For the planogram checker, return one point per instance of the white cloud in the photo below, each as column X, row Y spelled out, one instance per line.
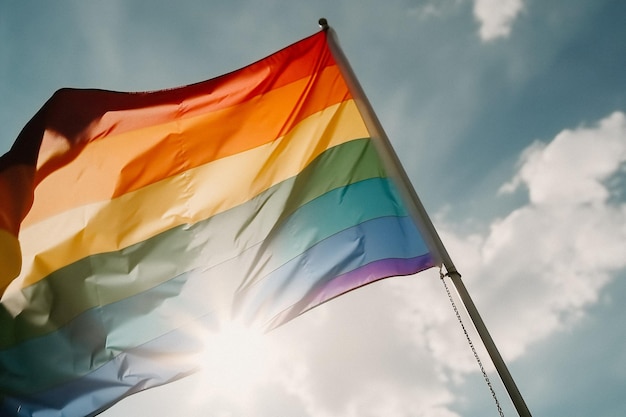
column 544, row 263
column 432, row 8
column 496, row 17
column 572, row 168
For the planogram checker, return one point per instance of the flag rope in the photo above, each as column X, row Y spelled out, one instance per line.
column 471, row 344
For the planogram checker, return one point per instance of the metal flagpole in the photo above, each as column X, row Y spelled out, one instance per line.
column 421, row 216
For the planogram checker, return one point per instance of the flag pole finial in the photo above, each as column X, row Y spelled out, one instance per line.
column 323, row 23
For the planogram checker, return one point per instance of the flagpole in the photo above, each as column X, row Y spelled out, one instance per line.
column 421, row 216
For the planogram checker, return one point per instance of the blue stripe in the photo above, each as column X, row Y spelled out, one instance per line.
column 133, row 371
column 322, row 217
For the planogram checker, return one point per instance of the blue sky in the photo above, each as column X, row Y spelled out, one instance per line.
column 510, row 118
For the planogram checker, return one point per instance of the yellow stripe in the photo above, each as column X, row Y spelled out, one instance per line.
column 186, row 198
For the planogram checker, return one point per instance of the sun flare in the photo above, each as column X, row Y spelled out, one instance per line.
column 237, row 359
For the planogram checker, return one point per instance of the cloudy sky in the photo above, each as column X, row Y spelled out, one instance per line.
column 510, row 118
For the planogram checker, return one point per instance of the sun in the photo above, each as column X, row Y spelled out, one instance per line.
column 237, row 360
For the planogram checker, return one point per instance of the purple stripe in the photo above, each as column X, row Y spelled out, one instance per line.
column 374, row 271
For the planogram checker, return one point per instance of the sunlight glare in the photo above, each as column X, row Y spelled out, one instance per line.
column 237, row 359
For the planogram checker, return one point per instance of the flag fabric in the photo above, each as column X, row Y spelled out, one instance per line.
column 129, row 222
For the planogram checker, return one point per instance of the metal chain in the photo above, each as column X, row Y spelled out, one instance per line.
column 469, row 340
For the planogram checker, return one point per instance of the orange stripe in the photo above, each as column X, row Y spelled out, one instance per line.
column 108, row 168
column 16, row 181
column 10, row 259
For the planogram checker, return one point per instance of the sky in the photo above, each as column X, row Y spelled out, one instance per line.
column 509, row 117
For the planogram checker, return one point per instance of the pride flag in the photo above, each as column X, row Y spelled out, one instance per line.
column 128, row 221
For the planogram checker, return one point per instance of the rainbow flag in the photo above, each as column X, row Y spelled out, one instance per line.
column 130, row 220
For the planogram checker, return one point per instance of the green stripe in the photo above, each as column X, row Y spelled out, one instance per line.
column 106, row 278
